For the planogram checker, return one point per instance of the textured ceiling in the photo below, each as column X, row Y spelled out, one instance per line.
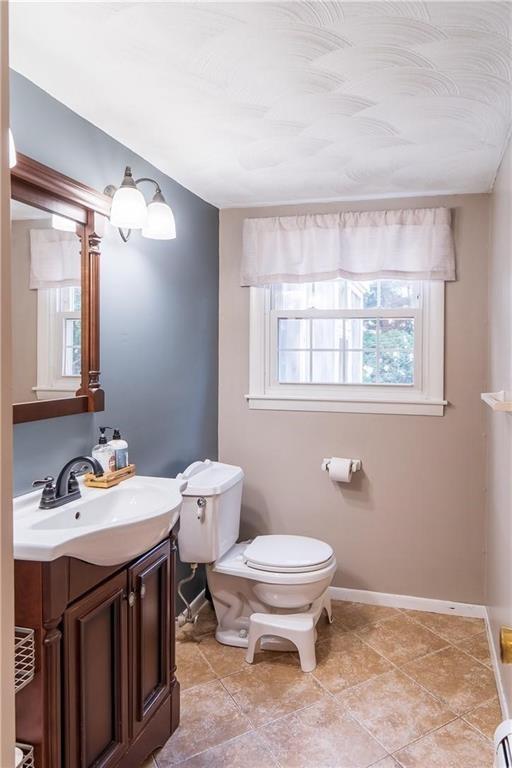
column 259, row 102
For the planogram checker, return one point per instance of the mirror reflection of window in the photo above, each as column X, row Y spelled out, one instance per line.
column 46, row 304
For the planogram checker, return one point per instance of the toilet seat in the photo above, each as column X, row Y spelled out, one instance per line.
column 233, row 564
column 280, row 553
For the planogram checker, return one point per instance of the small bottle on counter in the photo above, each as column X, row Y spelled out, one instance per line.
column 104, row 453
column 120, row 448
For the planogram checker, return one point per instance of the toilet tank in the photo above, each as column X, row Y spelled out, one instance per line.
column 210, row 513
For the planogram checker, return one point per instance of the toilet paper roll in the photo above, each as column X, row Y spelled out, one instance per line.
column 18, row 756
column 340, row 470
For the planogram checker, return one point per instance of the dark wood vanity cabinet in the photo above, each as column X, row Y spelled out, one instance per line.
column 150, row 635
column 96, row 676
column 105, row 693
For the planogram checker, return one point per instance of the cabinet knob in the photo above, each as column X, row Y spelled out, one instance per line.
column 131, row 599
column 142, row 590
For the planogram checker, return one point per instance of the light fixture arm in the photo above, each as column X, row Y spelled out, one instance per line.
column 151, row 181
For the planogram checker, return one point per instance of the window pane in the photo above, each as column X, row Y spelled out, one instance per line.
column 69, row 299
column 398, row 293
column 329, row 294
column 354, row 371
column 370, row 294
column 346, row 294
column 355, row 295
column 72, row 331
column 292, row 295
column 77, row 361
column 390, row 293
column 396, row 333
column 293, row 334
column 327, row 368
column 369, row 368
column 396, row 367
column 327, row 334
column 71, row 364
column 76, row 299
column 396, row 350
column 72, row 361
column 294, row 367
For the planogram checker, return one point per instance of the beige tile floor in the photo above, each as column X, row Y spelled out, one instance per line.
column 392, row 689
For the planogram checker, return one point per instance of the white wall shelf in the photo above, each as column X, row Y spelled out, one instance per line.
column 497, row 401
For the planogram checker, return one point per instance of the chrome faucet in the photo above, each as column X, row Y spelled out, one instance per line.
column 66, row 488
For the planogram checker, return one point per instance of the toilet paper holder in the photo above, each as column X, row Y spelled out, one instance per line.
column 355, row 465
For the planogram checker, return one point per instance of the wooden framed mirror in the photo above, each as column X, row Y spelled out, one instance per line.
column 56, row 227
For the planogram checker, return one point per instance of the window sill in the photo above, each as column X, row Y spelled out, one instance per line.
column 55, row 393
column 403, row 407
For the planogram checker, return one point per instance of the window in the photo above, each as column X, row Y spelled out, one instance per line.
column 69, row 302
column 362, row 346
column 59, row 347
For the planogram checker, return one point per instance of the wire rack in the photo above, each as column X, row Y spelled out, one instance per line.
column 28, row 756
column 24, row 657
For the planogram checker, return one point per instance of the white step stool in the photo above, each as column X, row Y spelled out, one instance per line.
column 299, row 628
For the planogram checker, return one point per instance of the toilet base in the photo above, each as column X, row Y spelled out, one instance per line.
column 238, row 592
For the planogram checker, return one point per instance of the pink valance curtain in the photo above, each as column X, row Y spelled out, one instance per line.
column 406, row 244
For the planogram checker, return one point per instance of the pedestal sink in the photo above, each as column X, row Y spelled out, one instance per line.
column 104, row 527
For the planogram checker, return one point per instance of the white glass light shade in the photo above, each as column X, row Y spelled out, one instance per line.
column 65, row 225
column 12, row 151
column 160, row 224
column 128, row 209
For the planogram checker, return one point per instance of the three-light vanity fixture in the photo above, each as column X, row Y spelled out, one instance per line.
column 130, row 211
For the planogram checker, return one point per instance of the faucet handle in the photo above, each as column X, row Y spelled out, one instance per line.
column 49, row 491
column 48, row 481
column 73, row 485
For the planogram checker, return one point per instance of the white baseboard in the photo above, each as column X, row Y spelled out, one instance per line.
column 496, row 667
column 408, row 602
column 196, row 604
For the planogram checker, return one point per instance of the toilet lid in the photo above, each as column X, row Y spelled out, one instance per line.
column 287, row 554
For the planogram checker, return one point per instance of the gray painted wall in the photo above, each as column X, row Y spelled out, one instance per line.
column 159, row 310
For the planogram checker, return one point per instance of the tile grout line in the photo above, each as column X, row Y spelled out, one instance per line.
column 221, row 744
column 339, row 701
column 435, row 730
column 275, row 719
column 395, row 667
column 476, row 730
column 407, row 611
column 449, row 644
column 439, row 699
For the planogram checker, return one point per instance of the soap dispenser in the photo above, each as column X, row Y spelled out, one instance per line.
column 104, row 453
column 120, row 448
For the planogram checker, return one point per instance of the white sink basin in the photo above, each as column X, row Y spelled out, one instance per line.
column 105, row 527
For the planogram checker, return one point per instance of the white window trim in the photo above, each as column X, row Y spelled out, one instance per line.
column 422, row 399
column 50, row 383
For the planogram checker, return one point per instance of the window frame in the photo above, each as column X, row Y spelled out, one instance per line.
column 424, row 397
column 51, row 382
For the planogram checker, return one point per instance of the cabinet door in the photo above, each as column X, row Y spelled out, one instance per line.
column 150, row 633
column 96, row 677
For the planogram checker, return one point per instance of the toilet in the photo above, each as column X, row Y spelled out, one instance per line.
column 279, row 574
